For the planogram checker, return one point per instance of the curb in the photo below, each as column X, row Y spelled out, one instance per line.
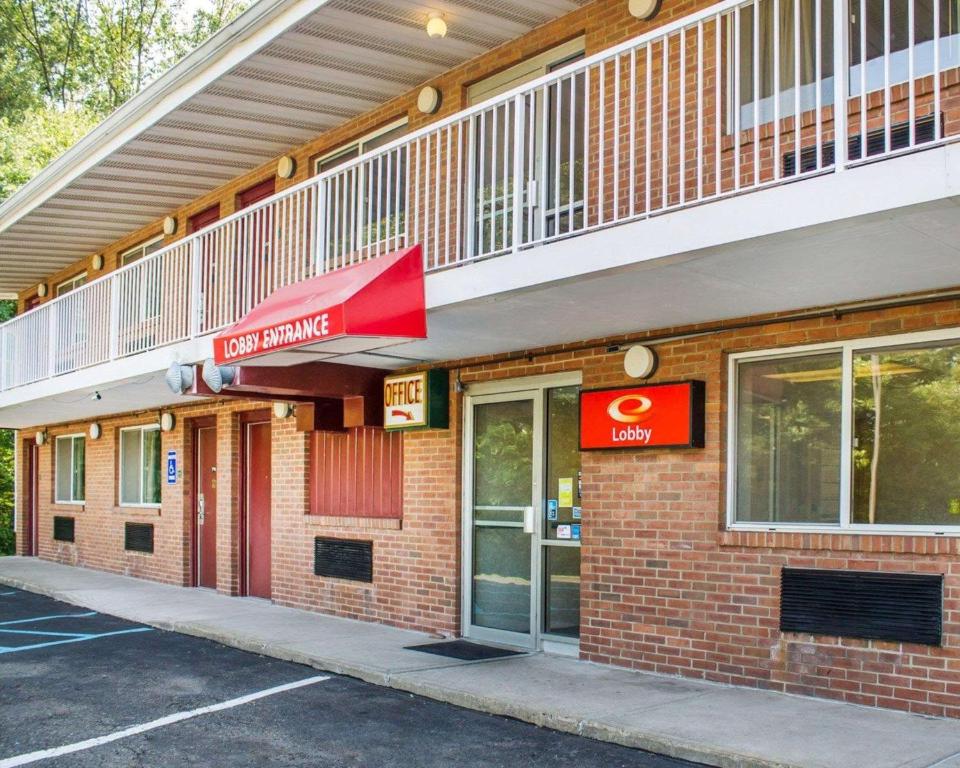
column 406, row 682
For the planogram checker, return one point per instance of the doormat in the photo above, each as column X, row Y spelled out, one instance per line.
column 464, row 650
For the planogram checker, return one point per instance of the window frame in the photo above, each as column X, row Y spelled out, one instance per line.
column 847, row 350
column 141, row 246
column 358, row 144
column 72, row 437
column 72, row 282
column 142, row 429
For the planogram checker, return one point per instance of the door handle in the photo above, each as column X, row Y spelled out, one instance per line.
column 200, row 507
column 529, row 522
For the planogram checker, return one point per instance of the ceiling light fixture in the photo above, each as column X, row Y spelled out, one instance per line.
column 436, row 26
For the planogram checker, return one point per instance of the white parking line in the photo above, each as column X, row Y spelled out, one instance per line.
column 79, row 746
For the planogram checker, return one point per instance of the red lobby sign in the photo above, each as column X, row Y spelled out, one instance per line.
column 650, row 416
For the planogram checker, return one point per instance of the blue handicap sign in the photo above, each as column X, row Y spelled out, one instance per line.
column 171, row 467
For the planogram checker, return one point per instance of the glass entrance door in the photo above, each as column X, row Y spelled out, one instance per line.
column 504, row 477
column 522, row 523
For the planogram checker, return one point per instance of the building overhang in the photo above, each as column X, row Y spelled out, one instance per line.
column 281, row 74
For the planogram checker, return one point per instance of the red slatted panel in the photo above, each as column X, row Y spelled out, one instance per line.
column 358, row 473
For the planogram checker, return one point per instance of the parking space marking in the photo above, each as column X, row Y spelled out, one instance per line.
column 80, row 746
column 76, row 638
column 7, row 594
column 85, row 615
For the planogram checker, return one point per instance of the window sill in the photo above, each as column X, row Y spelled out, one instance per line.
column 126, row 509
column 362, row 523
column 900, row 541
column 70, row 504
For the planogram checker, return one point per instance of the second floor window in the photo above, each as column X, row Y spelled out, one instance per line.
column 141, row 250
column 72, row 284
column 70, row 469
column 140, row 471
column 805, row 63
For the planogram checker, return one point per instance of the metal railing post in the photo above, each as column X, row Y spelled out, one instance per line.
column 320, row 229
column 841, row 78
column 114, row 319
column 519, row 120
column 195, row 300
column 52, row 329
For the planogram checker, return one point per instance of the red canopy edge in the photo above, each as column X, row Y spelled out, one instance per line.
column 381, row 299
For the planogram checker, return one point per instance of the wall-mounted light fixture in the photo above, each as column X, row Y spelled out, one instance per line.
column 282, row 410
column 95, row 431
column 179, row 378
column 217, row 376
column 640, row 362
column 169, row 225
column 428, row 100
column 286, row 167
column 40, row 438
column 436, row 26
column 97, row 262
column 167, row 421
column 42, row 290
column 644, row 9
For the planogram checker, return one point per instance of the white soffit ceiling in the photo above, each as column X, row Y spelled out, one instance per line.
column 337, row 60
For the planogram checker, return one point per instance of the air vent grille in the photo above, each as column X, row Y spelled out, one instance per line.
column 63, row 528
column 343, row 559
column 898, row 607
column 138, row 537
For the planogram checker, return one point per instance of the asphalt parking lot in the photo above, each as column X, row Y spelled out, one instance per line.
column 79, row 688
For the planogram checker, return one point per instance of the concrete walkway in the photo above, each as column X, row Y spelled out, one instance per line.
column 715, row 724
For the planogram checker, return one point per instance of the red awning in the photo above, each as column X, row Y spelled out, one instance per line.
column 367, row 306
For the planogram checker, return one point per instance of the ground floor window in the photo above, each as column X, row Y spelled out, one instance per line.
column 70, row 469
column 864, row 435
column 140, row 469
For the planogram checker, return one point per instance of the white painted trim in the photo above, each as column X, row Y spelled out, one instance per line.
column 240, row 39
column 80, row 275
column 142, row 429
column 17, row 484
column 141, row 246
column 359, row 143
column 56, row 470
column 847, row 349
column 544, row 381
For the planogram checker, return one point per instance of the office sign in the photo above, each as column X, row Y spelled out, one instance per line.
column 416, row 400
column 651, row 416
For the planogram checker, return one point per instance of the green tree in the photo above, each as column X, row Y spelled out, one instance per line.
column 7, row 310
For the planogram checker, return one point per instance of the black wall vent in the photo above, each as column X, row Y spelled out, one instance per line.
column 63, row 528
column 923, row 132
column 899, row 607
column 138, row 537
column 343, row 559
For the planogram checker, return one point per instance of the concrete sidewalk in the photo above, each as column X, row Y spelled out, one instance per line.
column 715, row 724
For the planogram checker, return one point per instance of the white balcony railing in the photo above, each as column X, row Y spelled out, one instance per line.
column 736, row 97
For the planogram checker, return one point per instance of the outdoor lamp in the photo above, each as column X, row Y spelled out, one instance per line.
column 640, row 362
column 428, row 100
column 644, row 9
column 286, row 167
column 167, row 421
column 95, row 431
column 218, row 376
column 436, row 26
column 169, row 225
column 179, row 378
column 40, row 438
column 282, row 410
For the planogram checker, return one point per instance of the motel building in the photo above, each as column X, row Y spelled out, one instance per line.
column 626, row 330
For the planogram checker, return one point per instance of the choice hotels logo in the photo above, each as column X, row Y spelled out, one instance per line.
column 630, row 409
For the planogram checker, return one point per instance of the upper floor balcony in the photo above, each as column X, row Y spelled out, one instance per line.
column 750, row 97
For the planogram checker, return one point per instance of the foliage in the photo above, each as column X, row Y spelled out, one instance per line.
column 7, row 310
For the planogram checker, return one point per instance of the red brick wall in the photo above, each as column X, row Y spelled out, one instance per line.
column 664, row 587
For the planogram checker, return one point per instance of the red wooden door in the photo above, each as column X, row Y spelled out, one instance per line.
column 206, row 506
column 30, row 533
column 257, row 477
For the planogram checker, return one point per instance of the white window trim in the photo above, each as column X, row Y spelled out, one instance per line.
column 359, row 143
column 138, row 247
column 78, row 276
column 847, row 350
column 56, row 472
column 142, row 429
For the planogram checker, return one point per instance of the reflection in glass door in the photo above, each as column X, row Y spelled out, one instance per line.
column 522, row 517
column 504, row 472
